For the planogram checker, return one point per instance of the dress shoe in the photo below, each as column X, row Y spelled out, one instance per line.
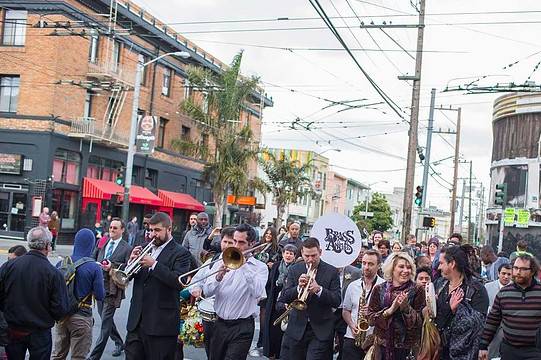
column 118, row 350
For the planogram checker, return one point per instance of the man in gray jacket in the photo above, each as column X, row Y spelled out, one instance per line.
column 195, row 238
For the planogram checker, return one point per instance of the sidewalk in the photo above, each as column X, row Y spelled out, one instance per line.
column 61, row 250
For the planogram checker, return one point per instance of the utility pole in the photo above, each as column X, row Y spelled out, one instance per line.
column 461, row 216
column 480, row 219
column 414, row 123
column 428, row 144
column 455, row 173
column 470, row 222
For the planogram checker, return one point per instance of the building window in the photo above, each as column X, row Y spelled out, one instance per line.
column 65, row 203
column 185, row 132
column 205, row 103
column 116, row 56
column 161, row 133
column 66, row 166
column 166, row 85
column 187, row 89
column 93, row 50
column 151, row 178
column 14, row 30
column 103, row 169
column 87, row 112
column 9, row 93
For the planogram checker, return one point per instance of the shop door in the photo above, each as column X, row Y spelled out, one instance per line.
column 12, row 210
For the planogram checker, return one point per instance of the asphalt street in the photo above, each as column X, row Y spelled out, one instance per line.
column 121, row 315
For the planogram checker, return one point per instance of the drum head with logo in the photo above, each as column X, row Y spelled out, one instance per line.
column 339, row 237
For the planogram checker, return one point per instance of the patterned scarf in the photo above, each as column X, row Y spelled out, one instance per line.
column 282, row 273
column 388, row 299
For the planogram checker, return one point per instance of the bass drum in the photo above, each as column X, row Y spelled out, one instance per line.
column 206, row 309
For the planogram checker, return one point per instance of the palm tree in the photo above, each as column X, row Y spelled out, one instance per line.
column 216, row 109
column 286, row 179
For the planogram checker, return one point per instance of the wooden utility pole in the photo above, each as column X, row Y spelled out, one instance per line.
column 455, row 173
column 414, row 123
column 470, row 222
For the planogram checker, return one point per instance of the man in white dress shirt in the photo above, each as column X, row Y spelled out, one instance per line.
column 505, row 272
column 196, row 290
column 371, row 263
column 237, row 293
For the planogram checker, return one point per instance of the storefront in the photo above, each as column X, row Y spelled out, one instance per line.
column 179, row 206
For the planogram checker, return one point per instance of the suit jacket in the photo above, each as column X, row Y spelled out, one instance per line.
column 120, row 257
column 155, row 302
column 349, row 274
column 320, row 309
column 140, row 238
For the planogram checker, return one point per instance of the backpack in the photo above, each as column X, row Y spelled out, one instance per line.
column 68, row 268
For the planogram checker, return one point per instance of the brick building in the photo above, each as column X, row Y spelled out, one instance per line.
column 67, row 74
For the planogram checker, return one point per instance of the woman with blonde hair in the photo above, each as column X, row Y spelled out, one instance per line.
column 395, row 309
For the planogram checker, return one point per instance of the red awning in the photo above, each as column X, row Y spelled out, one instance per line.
column 180, row 201
column 100, row 189
column 141, row 195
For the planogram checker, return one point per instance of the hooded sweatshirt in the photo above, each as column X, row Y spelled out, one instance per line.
column 89, row 276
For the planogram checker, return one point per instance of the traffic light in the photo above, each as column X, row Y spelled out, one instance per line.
column 500, row 197
column 419, row 196
column 120, row 176
column 429, row 221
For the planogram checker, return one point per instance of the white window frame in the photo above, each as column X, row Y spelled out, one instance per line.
column 93, row 50
column 14, row 29
column 166, row 81
column 9, row 93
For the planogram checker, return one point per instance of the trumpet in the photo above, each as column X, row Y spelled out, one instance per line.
column 299, row 303
column 233, row 259
column 123, row 277
column 362, row 322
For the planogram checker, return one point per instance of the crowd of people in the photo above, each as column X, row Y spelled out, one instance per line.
column 488, row 305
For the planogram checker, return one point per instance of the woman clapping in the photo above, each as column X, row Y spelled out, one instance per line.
column 395, row 309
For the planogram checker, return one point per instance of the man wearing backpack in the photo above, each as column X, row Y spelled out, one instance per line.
column 33, row 296
column 84, row 280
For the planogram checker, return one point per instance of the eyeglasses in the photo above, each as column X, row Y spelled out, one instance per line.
column 114, row 227
column 516, row 268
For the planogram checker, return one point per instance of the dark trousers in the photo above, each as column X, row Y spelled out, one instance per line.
column 350, row 351
column 340, row 331
column 509, row 352
column 140, row 346
column 39, row 344
column 309, row 347
column 208, row 330
column 232, row 339
column 108, row 329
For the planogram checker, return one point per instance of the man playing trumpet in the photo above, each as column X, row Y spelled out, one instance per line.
column 154, row 317
column 310, row 332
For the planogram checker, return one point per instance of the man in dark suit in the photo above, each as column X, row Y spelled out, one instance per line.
column 115, row 253
column 154, row 317
column 143, row 236
column 310, row 333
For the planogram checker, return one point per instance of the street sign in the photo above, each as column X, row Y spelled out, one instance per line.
column 523, row 218
column 509, row 216
column 146, row 134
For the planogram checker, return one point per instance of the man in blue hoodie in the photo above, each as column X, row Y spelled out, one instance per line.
column 76, row 330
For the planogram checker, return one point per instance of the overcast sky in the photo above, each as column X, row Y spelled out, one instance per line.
column 461, row 41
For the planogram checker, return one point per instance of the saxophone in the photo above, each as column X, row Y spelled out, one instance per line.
column 362, row 321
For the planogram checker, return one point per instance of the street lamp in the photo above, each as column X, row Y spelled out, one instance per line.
column 133, row 126
column 368, row 196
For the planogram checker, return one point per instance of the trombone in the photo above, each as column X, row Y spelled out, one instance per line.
column 299, row 304
column 233, row 259
column 123, row 277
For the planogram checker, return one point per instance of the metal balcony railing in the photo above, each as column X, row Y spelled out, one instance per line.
column 109, row 70
column 88, row 128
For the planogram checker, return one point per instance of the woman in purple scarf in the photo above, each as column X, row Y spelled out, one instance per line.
column 395, row 309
